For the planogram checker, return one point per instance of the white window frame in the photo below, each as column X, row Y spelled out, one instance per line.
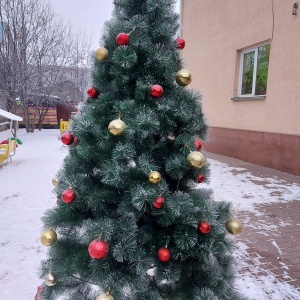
column 243, row 52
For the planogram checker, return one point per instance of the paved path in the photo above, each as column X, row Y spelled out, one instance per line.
column 272, row 237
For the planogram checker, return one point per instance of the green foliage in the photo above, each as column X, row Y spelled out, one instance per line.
column 109, row 174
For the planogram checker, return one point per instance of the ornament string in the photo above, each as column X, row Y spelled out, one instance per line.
column 178, row 185
column 133, row 29
column 167, row 242
column 99, row 235
column 185, row 147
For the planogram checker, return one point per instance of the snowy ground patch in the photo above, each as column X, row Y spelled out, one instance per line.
column 245, row 190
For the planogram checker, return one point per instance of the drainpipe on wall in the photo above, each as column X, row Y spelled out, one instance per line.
column 181, row 17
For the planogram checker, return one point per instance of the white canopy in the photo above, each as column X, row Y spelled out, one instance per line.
column 10, row 116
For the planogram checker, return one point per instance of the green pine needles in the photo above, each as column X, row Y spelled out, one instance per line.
column 131, row 190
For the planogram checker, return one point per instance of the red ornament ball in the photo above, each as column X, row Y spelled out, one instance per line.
column 93, row 92
column 37, row 295
column 180, row 43
column 122, row 39
column 159, row 202
column 67, row 138
column 76, row 140
column 156, row 91
column 68, row 196
column 164, row 254
column 201, row 178
column 204, row 227
column 198, row 144
column 98, row 249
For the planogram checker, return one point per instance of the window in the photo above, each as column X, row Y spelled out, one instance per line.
column 254, row 71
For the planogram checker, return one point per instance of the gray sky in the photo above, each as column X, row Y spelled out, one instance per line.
column 88, row 14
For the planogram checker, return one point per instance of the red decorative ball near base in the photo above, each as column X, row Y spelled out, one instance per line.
column 93, row 92
column 164, row 254
column 156, row 91
column 159, row 202
column 201, row 178
column 67, row 138
column 204, row 227
column 122, row 39
column 37, row 295
column 68, row 196
column 180, row 43
column 76, row 140
column 98, row 249
column 198, row 144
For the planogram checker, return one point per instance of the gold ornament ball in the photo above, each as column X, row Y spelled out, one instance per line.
column 54, row 181
column 48, row 237
column 234, row 226
column 51, row 279
column 196, row 159
column 116, row 127
column 183, row 77
column 101, row 54
column 171, row 137
column 154, row 177
column 106, row 296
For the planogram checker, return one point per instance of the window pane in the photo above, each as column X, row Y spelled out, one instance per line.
column 262, row 70
column 248, row 66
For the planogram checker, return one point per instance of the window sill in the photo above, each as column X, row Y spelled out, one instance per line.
column 249, row 98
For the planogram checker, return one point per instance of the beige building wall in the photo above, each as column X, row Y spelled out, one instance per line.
column 214, row 32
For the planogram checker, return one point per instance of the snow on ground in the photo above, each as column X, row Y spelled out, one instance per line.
column 26, row 192
column 260, row 284
column 245, row 190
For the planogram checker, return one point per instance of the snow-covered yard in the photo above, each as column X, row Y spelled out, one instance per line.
column 26, row 193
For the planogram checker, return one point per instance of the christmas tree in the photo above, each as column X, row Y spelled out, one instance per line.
column 129, row 222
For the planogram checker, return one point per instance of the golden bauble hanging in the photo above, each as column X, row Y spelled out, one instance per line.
column 51, row 279
column 234, row 226
column 106, row 296
column 48, row 237
column 171, row 137
column 154, row 177
column 183, row 77
column 54, row 181
column 116, row 127
column 196, row 159
column 101, row 54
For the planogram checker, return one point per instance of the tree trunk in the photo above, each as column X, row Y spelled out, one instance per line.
column 42, row 115
column 34, row 118
column 26, row 118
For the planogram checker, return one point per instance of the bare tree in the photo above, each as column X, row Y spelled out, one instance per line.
column 36, row 51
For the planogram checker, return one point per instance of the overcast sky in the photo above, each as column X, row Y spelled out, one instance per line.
column 88, row 14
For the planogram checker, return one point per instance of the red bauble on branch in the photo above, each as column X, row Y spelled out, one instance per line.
column 98, row 249
column 159, row 202
column 164, row 254
column 93, row 92
column 76, row 140
column 37, row 295
column 67, row 138
column 156, row 91
column 198, row 144
column 201, row 178
column 180, row 43
column 122, row 39
column 68, row 196
column 204, row 227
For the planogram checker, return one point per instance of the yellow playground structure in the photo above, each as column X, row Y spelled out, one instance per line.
column 64, row 125
column 8, row 149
